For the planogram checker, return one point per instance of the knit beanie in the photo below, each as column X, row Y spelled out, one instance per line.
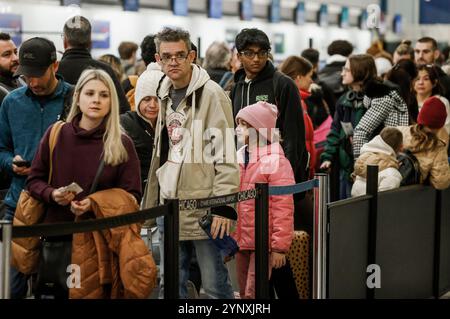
column 260, row 115
column 433, row 113
column 147, row 83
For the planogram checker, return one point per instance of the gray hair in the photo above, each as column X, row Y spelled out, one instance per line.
column 172, row 35
column 218, row 56
column 77, row 31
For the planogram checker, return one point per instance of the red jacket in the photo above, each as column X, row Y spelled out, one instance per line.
column 309, row 134
column 266, row 165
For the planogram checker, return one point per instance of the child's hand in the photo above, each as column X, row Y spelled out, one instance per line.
column 278, row 260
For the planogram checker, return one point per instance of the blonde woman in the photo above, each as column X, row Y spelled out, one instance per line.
column 91, row 135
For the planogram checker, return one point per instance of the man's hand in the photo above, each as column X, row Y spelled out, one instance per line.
column 61, row 197
column 81, row 207
column 278, row 260
column 220, row 225
column 20, row 170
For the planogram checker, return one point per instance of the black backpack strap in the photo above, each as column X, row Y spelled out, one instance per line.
column 67, row 103
column 97, row 177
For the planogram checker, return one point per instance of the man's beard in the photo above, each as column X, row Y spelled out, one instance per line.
column 6, row 73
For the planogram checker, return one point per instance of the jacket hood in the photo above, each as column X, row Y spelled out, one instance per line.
column 336, row 58
column 266, row 72
column 198, row 78
column 147, row 85
column 378, row 145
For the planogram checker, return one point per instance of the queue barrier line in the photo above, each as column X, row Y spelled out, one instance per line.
column 294, row 189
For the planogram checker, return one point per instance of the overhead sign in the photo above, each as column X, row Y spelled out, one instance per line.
column 12, row 24
column 215, row 9
column 322, row 16
column 300, row 14
column 131, row 5
column 275, row 11
column 100, row 34
column 246, row 10
column 180, row 7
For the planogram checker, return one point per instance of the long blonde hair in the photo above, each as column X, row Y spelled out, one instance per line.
column 114, row 151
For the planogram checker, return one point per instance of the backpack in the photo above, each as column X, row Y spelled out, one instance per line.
column 408, row 168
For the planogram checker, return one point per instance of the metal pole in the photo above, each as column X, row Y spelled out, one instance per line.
column 6, row 226
column 262, row 242
column 320, row 238
column 171, row 239
column 372, row 189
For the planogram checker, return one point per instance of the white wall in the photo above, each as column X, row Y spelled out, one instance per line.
column 48, row 17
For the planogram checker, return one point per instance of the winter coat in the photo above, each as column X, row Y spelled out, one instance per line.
column 190, row 176
column 216, row 74
column 75, row 61
column 377, row 152
column 349, row 109
column 309, row 135
column 290, row 120
column 330, row 74
column 266, row 165
column 142, row 134
column 116, row 256
column 24, row 118
column 385, row 107
column 433, row 162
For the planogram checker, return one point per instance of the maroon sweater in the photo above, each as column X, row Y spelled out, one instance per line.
column 76, row 158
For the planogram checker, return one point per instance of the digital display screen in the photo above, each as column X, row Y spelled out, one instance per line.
column 300, row 14
column 215, row 9
column 322, row 18
column 397, row 24
column 362, row 20
column 436, row 11
column 274, row 11
column 344, row 21
column 246, row 10
column 180, row 7
column 70, row 2
column 131, row 5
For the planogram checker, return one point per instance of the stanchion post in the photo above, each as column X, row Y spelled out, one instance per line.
column 171, row 246
column 262, row 242
column 6, row 226
column 320, row 238
column 372, row 189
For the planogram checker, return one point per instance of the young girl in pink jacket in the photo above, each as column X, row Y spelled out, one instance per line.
column 261, row 160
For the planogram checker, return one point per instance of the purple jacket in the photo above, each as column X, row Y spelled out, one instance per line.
column 76, row 158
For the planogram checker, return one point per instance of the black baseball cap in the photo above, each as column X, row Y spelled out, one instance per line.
column 35, row 56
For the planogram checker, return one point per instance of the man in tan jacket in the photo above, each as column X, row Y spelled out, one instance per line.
column 195, row 116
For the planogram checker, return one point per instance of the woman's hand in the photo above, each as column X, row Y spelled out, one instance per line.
column 278, row 260
column 81, row 207
column 63, row 198
column 325, row 165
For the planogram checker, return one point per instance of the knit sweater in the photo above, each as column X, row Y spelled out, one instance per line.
column 76, row 158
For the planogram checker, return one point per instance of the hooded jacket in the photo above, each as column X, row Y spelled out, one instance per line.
column 192, row 175
column 433, row 163
column 290, row 118
column 385, row 107
column 377, row 152
column 267, row 164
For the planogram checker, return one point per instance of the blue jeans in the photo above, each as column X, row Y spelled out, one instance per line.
column 215, row 279
column 345, row 186
column 19, row 281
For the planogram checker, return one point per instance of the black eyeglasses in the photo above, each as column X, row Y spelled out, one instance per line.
column 179, row 57
column 251, row 54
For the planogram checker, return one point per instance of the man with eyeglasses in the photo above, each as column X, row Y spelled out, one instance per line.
column 258, row 80
column 194, row 112
column 426, row 52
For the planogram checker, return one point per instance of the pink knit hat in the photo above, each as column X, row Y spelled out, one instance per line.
column 433, row 113
column 260, row 115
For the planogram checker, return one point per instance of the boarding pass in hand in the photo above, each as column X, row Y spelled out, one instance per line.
column 74, row 188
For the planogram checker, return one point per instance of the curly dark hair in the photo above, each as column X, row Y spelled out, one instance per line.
column 248, row 37
column 148, row 49
column 341, row 47
column 173, row 35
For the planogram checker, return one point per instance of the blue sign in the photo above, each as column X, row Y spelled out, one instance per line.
column 397, row 24
column 246, row 8
column 12, row 24
column 275, row 11
column 131, row 5
column 300, row 14
column 180, row 7
column 436, row 11
column 344, row 21
column 362, row 20
column 215, row 9
column 100, row 34
column 322, row 18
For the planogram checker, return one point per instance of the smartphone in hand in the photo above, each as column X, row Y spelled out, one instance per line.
column 22, row 163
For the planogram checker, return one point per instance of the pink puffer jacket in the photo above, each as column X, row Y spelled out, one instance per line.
column 267, row 165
